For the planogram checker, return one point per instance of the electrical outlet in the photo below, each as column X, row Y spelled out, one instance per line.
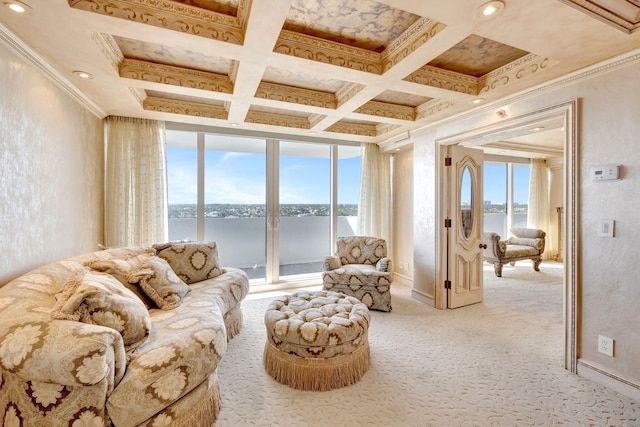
column 605, row 345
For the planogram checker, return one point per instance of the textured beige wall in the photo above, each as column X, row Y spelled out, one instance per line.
column 607, row 268
column 425, row 215
column 51, row 171
column 402, row 229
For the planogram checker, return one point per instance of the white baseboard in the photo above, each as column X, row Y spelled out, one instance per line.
column 422, row 297
column 402, row 279
column 601, row 376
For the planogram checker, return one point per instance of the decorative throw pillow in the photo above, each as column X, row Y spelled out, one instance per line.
column 193, row 261
column 158, row 280
column 122, row 269
column 100, row 299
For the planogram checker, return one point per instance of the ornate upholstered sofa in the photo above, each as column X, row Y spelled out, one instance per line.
column 77, row 347
column 525, row 243
column 360, row 268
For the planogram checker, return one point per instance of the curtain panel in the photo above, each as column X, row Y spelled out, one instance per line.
column 374, row 211
column 135, row 182
column 538, row 216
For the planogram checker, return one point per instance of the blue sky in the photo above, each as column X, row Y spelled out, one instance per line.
column 239, row 178
column 495, row 184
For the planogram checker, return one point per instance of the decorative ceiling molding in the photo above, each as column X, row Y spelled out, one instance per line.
column 384, row 109
column 360, row 129
column 139, row 94
column 514, row 71
column 383, row 128
column 15, row 44
column 177, row 76
column 278, row 92
column 347, row 92
column 443, row 79
column 169, row 15
column 314, row 119
column 415, row 36
column 334, row 64
column 109, row 48
column 328, row 52
column 432, row 108
column 174, row 106
column 450, row 80
column 613, row 13
column 275, row 119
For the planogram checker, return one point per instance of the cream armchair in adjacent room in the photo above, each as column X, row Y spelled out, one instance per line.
column 525, row 243
column 360, row 268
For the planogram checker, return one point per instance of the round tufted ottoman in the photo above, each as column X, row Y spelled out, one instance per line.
column 317, row 340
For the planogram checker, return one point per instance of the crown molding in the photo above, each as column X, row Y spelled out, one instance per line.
column 17, row 46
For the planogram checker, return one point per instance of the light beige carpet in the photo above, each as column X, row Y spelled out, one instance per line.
column 498, row 363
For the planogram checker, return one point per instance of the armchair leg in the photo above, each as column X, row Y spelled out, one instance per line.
column 536, row 263
column 497, row 268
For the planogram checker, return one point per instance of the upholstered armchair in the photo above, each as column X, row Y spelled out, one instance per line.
column 360, row 268
column 525, row 243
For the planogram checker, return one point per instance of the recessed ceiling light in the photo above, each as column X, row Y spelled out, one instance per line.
column 489, row 9
column 312, row 133
column 477, row 101
column 17, row 6
column 537, row 129
column 83, row 74
column 233, row 124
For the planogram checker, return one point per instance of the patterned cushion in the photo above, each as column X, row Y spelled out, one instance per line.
column 360, row 249
column 161, row 283
column 100, row 299
column 193, row 261
column 123, row 269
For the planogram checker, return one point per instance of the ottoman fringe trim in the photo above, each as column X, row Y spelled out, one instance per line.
column 206, row 413
column 233, row 322
column 316, row 374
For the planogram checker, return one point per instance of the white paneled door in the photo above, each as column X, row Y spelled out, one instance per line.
column 465, row 212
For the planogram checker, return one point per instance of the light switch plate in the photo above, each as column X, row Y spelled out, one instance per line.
column 605, row 227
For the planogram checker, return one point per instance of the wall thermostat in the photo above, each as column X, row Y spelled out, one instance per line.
column 609, row 172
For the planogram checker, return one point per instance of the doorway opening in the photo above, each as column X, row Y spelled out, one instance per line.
column 496, row 133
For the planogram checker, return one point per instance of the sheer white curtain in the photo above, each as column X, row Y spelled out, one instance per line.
column 374, row 211
column 538, row 216
column 135, row 182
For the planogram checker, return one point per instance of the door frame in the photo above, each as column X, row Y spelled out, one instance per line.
column 568, row 111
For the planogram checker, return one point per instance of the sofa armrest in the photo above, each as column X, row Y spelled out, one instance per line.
column 384, row 265
column 331, row 262
column 496, row 248
column 63, row 352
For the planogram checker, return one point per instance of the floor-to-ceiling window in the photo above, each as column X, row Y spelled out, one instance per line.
column 182, row 183
column 506, row 195
column 268, row 204
column 348, row 190
column 304, row 194
column 235, row 200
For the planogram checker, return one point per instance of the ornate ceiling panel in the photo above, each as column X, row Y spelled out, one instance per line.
column 179, row 57
column 476, row 56
column 365, row 24
column 366, row 70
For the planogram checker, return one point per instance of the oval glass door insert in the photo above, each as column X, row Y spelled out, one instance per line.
column 466, row 202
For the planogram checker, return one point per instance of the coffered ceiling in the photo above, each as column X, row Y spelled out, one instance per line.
column 362, row 70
